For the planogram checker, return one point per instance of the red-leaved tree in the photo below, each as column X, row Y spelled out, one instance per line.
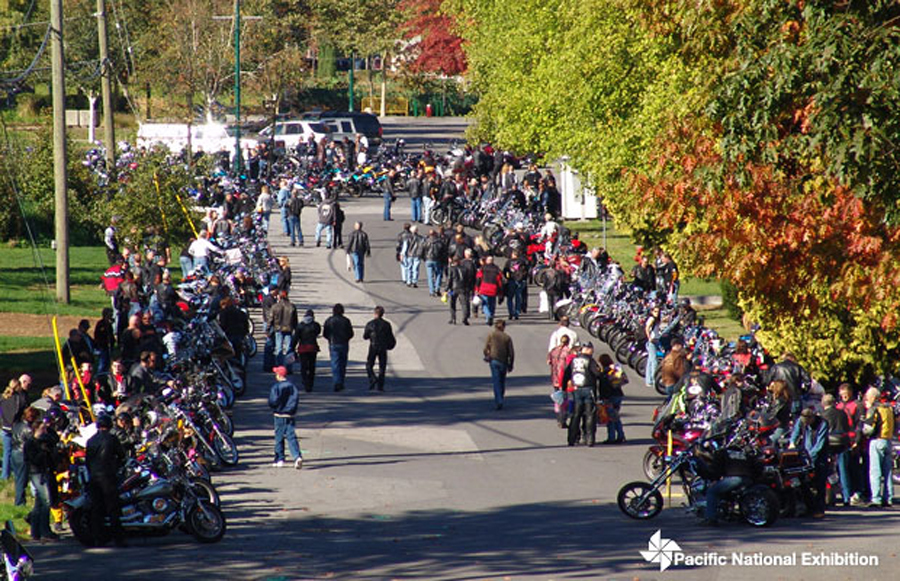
column 438, row 49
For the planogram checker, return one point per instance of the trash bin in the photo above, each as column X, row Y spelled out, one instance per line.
column 429, row 110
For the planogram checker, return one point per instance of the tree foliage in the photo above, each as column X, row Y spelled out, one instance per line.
column 756, row 138
column 437, row 48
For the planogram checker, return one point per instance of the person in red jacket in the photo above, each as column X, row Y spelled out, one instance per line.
column 489, row 285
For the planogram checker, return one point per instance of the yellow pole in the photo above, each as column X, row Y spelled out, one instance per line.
column 187, row 215
column 669, row 479
column 159, row 203
column 83, row 391
column 62, row 364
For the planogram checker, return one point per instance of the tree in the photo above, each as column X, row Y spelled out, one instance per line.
column 435, row 45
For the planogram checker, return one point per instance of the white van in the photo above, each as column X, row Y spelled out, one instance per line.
column 210, row 137
column 289, row 134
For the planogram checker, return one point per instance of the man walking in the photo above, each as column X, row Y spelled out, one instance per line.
column 388, row 192
column 325, row 223
column 294, row 208
column 415, row 186
column 489, row 284
column 516, row 274
column 358, row 249
column 283, row 399
column 412, row 252
column 283, row 321
column 338, row 331
column 433, row 252
column 401, row 250
column 582, row 376
column 499, row 352
column 381, row 339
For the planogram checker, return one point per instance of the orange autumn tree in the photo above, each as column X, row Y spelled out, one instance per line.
column 815, row 264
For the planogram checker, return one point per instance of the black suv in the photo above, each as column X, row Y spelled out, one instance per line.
column 364, row 123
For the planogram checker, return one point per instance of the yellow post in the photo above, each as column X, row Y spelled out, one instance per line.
column 669, row 479
column 187, row 215
column 62, row 364
column 159, row 203
column 83, row 391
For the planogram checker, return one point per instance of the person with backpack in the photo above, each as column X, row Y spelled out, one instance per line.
column 294, row 208
column 326, row 223
column 283, row 400
column 381, row 339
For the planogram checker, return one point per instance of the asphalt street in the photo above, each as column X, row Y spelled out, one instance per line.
column 427, row 480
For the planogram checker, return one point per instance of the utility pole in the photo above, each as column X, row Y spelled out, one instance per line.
column 57, row 70
column 237, row 89
column 350, row 90
column 106, row 89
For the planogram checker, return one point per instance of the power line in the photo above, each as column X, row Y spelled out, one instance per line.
column 31, row 67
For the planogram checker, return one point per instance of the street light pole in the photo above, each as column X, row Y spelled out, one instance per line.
column 237, row 88
column 350, row 90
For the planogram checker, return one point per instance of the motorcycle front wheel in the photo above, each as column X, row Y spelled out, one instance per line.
column 206, row 523
column 639, row 500
column 205, row 491
column 225, row 448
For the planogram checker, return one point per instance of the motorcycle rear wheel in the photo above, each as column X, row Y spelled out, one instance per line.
column 206, row 523
column 629, row 501
column 759, row 506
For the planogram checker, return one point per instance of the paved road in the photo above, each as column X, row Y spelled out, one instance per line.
column 428, row 481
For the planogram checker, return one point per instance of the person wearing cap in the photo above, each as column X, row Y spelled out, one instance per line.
column 582, row 376
column 811, row 432
column 500, row 354
column 307, row 340
column 104, row 455
column 283, row 399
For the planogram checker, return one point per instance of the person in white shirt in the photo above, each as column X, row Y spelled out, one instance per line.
column 563, row 329
column 200, row 249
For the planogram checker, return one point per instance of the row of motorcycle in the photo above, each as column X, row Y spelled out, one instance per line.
column 185, row 431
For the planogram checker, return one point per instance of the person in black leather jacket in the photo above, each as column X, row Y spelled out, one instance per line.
column 381, row 339
column 104, row 455
column 338, row 330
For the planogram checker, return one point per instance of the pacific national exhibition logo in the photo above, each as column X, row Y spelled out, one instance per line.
column 660, row 550
column 667, row 553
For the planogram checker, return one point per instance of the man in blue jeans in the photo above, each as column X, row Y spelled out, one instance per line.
column 283, row 399
column 737, row 470
column 499, row 353
column 338, row 331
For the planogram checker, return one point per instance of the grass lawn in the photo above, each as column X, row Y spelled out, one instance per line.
column 23, row 288
column 33, row 355
column 8, row 510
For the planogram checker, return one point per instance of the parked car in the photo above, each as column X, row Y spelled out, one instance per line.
column 289, row 133
column 348, row 124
